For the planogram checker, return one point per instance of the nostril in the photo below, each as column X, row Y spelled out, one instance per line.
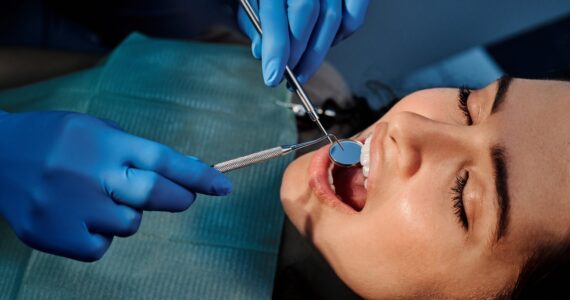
column 395, row 143
column 403, row 133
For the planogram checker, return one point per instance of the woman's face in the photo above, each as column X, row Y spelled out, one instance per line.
column 456, row 198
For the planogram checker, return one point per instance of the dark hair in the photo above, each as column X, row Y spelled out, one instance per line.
column 545, row 275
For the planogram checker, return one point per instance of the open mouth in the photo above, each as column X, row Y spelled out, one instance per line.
column 350, row 184
column 340, row 186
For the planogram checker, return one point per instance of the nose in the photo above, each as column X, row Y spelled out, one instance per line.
column 421, row 141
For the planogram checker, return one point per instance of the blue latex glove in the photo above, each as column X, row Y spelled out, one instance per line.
column 299, row 33
column 70, row 182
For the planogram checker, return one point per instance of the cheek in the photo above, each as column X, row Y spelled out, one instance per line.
column 406, row 224
column 419, row 217
column 393, row 248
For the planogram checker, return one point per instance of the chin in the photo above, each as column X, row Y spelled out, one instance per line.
column 296, row 193
column 319, row 216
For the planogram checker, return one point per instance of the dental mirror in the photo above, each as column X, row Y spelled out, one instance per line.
column 346, row 156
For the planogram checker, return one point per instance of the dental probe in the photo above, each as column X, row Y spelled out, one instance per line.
column 264, row 155
column 291, row 78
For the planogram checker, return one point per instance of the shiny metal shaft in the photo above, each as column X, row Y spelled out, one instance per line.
column 264, row 155
column 248, row 160
column 291, row 78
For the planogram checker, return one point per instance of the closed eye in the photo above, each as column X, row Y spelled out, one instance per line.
column 457, row 198
column 462, row 98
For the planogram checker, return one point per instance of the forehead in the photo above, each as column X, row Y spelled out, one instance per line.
column 534, row 126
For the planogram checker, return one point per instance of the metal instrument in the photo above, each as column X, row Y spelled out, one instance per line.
column 264, row 155
column 348, row 155
column 291, row 78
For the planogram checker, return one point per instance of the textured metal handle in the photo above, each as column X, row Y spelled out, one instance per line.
column 248, row 160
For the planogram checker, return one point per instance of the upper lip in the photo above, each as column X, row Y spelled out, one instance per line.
column 378, row 133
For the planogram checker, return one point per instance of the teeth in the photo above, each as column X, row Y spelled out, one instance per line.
column 364, row 161
column 331, row 181
column 365, row 157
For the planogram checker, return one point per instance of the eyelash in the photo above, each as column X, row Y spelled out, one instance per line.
column 458, row 205
column 461, row 181
column 464, row 93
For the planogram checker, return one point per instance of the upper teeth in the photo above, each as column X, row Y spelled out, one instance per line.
column 365, row 159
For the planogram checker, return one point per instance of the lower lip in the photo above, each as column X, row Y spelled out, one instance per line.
column 319, row 182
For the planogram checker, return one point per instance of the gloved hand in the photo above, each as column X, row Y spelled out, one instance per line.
column 70, row 182
column 299, row 33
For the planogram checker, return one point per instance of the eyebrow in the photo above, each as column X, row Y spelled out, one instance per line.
column 501, row 187
column 504, row 84
column 499, row 159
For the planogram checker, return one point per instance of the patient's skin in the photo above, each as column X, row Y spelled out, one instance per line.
column 407, row 240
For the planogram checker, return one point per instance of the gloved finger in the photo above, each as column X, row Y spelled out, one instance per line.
column 95, row 247
column 147, row 190
column 247, row 27
column 111, row 123
column 87, row 247
column 75, row 243
column 111, row 219
column 275, row 43
column 256, row 47
column 302, row 16
column 353, row 16
column 191, row 174
column 321, row 40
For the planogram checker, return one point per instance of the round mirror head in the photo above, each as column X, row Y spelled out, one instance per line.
column 348, row 155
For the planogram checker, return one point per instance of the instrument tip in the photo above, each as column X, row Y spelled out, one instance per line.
column 338, row 142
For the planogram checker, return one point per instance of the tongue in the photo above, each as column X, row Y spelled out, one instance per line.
column 349, row 186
